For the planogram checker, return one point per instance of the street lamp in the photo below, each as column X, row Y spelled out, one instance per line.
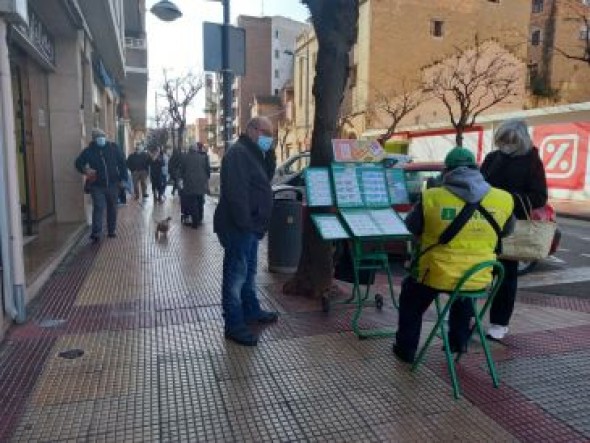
column 168, row 11
column 306, row 58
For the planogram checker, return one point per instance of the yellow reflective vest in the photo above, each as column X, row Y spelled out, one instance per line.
column 443, row 265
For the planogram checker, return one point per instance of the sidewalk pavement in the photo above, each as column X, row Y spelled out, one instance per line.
column 125, row 343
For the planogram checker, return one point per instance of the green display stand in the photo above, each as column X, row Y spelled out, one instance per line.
column 363, row 195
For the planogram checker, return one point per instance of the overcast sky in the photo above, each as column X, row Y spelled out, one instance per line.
column 178, row 45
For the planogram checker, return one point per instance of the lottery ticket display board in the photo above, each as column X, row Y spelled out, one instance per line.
column 382, row 222
column 346, row 185
column 318, row 187
column 373, row 184
column 396, row 184
column 329, row 226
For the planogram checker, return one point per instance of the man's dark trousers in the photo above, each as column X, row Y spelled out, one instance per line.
column 104, row 198
column 195, row 206
column 415, row 298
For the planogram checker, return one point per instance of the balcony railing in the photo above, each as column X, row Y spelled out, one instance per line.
column 135, row 43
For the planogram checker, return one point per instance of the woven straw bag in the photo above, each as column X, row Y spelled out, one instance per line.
column 531, row 239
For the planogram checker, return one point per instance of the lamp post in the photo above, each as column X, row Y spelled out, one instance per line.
column 168, row 11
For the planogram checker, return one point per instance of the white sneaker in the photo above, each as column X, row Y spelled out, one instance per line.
column 497, row 332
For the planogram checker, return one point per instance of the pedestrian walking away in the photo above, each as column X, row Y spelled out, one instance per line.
column 103, row 164
column 240, row 221
column 156, row 174
column 195, row 172
column 516, row 167
column 440, row 265
column 138, row 163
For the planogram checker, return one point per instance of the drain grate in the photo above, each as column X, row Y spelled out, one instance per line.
column 51, row 323
column 71, row 354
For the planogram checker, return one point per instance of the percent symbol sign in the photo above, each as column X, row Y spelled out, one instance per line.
column 557, row 157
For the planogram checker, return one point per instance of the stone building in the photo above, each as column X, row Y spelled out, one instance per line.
column 558, row 52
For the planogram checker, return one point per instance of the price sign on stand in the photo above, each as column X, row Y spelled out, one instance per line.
column 346, row 186
column 396, row 183
column 318, row 188
column 360, row 223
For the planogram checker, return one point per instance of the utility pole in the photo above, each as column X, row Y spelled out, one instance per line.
column 227, row 78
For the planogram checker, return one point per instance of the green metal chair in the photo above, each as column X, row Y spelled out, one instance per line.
column 487, row 293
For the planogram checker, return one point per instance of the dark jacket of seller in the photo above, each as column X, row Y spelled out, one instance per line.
column 108, row 162
column 245, row 202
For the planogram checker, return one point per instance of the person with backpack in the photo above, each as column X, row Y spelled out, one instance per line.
column 452, row 239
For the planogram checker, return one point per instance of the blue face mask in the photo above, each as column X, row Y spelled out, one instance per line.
column 265, row 143
column 101, row 141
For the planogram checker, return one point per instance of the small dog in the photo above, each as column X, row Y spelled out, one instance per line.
column 162, row 227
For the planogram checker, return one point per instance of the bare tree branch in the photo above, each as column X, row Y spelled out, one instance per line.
column 472, row 81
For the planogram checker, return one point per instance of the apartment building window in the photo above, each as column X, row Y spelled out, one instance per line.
column 277, row 53
column 537, row 6
column 533, row 69
column 352, row 73
column 583, row 32
column 494, row 1
column 276, row 33
column 586, row 2
column 276, row 73
column 536, row 37
column 437, row 28
column 276, row 92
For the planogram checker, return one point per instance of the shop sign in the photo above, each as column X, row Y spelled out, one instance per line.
column 564, row 151
column 39, row 37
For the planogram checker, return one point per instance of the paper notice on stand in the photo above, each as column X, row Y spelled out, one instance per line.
column 361, row 224
column 346, row 186
column 329, row 226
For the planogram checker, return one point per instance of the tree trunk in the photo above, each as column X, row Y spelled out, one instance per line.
column 335, row 23
column 180, row 132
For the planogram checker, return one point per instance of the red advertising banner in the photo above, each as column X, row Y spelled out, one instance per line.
column 564, row 151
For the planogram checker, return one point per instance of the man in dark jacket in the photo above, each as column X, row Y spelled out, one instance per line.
column 103, row 165
column 241, row 220
column 195, row 173
column 139, row 164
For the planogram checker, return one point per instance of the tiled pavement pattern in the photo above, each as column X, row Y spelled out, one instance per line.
column 156, row 366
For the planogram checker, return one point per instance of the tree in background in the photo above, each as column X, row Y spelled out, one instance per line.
column 157, row 137
column 180, row 93
column 472, row 81
column 335, row 24
column 395, row 104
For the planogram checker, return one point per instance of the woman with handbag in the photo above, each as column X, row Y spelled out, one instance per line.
column 517, row 168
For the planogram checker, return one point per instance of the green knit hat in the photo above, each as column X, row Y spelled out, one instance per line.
column 459, row 157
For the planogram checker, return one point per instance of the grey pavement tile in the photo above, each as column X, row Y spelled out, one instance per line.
column 326, row 415
column 268, row 422
column 56, row 422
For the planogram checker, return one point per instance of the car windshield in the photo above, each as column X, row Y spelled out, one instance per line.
column 298, row 164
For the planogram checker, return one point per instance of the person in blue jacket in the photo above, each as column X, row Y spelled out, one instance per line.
column 103, row 165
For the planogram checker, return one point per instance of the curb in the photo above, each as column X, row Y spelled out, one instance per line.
column 38, row 281
column 572, row 216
